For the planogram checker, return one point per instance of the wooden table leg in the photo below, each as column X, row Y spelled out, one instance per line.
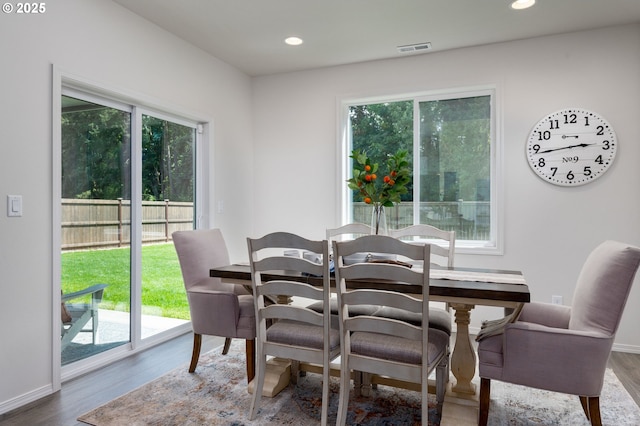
column 463, row 358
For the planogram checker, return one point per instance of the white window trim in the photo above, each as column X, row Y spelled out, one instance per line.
column 496, row 243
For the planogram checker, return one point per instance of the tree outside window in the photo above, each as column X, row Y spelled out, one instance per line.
column 452, row 176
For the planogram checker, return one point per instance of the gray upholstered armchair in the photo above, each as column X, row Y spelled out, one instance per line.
column 561, row 348
column 217, row 308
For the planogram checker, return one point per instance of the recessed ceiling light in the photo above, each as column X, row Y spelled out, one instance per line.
column 522, row 4
column 293, row 41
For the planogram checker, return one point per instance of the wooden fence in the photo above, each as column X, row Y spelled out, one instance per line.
column 107, row 223
column 470, row 219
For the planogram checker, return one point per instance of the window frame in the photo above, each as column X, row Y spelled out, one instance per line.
column 493, row 246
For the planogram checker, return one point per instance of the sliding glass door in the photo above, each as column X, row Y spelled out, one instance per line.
column 127, row 183
column 95, row 208
column 167, row 206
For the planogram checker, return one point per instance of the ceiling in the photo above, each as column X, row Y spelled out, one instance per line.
column 249, row 34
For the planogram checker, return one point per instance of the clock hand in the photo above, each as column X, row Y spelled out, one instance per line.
column 569, row 136
column 565, row 147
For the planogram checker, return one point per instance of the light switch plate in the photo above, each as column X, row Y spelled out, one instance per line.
column 14, row 205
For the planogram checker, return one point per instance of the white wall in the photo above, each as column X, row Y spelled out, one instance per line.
column 100, row 41
column 289, row 127
column 549, row 230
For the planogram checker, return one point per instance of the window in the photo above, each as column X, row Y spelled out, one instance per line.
column 452, row 147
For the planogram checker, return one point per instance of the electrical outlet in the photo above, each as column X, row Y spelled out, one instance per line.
column 556, row 300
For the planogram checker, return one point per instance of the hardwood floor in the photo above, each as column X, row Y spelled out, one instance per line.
column 627, row 368
column 91, row 390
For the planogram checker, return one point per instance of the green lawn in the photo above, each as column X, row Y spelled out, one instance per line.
column 162, row 287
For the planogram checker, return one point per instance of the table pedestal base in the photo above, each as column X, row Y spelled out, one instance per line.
column 276, row 377
column 463, row 356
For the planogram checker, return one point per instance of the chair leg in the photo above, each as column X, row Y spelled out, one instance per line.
column 261, row 364
column 295, row 371
column 197, row 344
column 591, row 407
column 345, row 387
column 227, row 344
column 485, row 397
column 442, row 371
column 448, row 373
column 250, row 354
column 584, row 401
column 594, row 411
column 365, row 384
column 357, row 383
column 326, row 377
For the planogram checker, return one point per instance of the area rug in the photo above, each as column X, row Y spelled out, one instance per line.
column 216, row 394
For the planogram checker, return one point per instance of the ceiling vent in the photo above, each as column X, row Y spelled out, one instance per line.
column 410, row 48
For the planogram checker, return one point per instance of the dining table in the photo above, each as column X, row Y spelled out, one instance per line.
column 461, row 288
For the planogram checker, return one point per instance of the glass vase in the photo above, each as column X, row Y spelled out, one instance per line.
column 378, row 221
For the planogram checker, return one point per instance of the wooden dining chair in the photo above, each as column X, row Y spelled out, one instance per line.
column 291, row 331
column 443, row 243
column 384, row 346
column 442, row 254
column 345, row 233
column 349, row 232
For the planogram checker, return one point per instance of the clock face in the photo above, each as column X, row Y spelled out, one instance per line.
column 571, row 147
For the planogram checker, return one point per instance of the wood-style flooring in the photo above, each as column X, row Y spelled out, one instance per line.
column 91, row 390
column 87, row 392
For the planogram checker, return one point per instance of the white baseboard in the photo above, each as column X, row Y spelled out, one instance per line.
column 24, row 399
column 632, row 349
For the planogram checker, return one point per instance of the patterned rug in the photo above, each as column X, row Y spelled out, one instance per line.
column 217, row 395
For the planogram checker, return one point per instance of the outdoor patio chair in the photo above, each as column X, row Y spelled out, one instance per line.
column 75, row 316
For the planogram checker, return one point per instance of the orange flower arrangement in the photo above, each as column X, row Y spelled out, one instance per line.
column 383, row 192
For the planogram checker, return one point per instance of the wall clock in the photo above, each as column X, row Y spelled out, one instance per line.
column 571, row 147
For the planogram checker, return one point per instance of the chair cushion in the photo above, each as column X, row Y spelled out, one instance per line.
column 395, row 348
column 301, row 334
column 439, row 319
column 355, row 310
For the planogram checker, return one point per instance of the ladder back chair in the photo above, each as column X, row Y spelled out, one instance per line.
column 291, row 331
column 442, row 254
column 384, row 346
